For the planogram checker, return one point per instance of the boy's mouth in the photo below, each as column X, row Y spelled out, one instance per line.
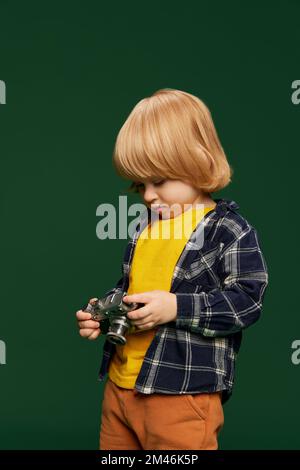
column 158, row 207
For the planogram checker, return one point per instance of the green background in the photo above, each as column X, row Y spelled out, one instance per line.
column 73, row 72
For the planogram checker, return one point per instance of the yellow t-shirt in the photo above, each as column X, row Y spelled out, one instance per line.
column 156, row 254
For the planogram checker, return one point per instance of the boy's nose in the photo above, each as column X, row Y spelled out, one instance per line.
column 149, row 195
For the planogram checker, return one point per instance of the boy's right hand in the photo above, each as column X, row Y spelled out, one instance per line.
column 87, row 328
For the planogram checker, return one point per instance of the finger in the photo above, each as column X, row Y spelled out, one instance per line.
column 81, row 315
column 95, row 334
column 85, row 332
column 143, row 321
column 143, row 297
column 139, row 313
column 145, row 326
column 89, row 324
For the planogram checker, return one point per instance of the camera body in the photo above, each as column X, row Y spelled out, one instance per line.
column 115, row 310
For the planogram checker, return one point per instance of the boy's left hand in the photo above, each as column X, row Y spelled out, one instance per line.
column 160, row 307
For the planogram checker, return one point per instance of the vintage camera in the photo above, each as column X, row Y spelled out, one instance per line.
column 115, row 310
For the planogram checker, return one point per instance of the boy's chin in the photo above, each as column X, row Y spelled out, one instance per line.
column 167, row 215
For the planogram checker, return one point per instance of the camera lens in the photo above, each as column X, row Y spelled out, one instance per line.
column 116, row 338
column 118, row 328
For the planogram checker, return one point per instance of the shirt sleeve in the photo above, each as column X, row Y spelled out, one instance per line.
column 238, row 303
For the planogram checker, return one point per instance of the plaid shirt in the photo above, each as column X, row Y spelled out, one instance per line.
column 219, row 281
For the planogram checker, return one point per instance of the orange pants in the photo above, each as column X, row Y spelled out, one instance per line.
column 132, row 420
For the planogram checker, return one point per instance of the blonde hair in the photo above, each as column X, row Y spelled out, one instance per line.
column 171, row 134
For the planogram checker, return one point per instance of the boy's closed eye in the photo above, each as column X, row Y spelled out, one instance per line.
column 158, row 182
column 139, row 185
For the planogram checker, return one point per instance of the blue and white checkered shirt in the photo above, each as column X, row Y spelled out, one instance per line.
column 219, row 280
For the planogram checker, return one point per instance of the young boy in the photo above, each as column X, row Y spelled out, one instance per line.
column 167, row 384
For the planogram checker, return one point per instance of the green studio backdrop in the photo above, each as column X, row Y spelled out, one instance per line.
column 71, row 72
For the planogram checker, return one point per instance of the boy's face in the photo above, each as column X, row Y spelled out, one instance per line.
column 168, row 196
